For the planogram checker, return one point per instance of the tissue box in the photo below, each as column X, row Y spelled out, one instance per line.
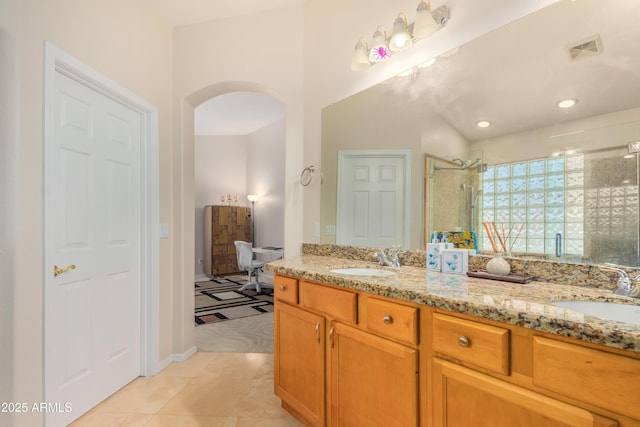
column 434, row 256
column 455, row 261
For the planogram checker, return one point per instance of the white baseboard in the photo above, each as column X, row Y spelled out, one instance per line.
column 181, row 357
column 163, row 364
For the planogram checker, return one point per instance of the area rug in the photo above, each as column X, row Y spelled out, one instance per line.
column 220, row 299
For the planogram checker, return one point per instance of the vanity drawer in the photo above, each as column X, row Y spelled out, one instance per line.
column 285, row 289
column 392, row 320
column 603, row 379
column 475, row 343
column 336, row 303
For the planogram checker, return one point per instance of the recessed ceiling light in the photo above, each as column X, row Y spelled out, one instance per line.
column 567, row 103
column 483, row 123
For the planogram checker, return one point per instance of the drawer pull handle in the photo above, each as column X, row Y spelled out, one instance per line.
column 317, row 331
column 282, row 288
column 387, row 320
column 331, row 336
column 464, row 341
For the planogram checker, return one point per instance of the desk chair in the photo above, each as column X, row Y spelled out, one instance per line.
column 246, row 262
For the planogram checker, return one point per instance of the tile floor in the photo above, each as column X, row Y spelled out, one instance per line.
column 245, row 335
column 208, row 390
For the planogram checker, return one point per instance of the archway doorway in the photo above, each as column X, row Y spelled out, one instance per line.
column 239, row 149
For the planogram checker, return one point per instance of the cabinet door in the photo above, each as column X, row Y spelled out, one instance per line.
column 374, row 381
column 463, row 397
column 299, row 361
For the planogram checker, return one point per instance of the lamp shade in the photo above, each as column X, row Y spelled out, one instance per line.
column 360, row 59
column 425, row 25
column 400, row 37
column 253, row 198
column 379, row 50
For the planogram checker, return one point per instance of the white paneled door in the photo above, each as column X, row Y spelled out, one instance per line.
column 373, row 201
column 92, row 235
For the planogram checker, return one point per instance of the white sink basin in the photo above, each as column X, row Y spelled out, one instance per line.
column 363, row 272
column 606, row 310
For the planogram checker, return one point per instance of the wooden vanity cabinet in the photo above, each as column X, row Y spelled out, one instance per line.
column 337, row 364
column 349, row 358
column 464, row 397
column 473, row 383
column 374, row 379
column 299, row 362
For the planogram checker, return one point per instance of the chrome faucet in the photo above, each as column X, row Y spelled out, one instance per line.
column 626, row 286
column 390, row 259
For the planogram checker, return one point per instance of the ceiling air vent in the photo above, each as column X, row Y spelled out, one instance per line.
column 585, row 48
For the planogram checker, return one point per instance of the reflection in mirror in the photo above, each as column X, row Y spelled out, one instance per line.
column 566, row 172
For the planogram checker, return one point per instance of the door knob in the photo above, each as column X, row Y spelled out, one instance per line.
column 57, row 270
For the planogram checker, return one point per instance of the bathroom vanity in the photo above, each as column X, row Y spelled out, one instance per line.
column 431, row 349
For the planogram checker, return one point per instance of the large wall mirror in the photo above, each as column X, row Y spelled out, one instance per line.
column 566, row 178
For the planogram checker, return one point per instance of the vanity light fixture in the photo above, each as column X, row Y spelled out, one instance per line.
column 379, row 48
column 425, row 24
column 403, row 35
column 483, row 123
column 400, row 38
column 566, row 103
column 361, row 56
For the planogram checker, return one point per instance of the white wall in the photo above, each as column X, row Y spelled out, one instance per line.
column 242, row 165
column 220, row 169
column 9, row 106
column 123, row 41
column 266, row 178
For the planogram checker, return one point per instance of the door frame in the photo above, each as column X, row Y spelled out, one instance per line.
column 403, row 154
column 57, row 60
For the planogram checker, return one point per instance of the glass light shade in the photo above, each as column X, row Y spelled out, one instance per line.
column 252, row 198
column 425, row 25
column 379, row 50
column 360, row 59
column 400, row 37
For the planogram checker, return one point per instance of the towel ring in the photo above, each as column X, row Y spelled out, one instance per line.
column 307, row 176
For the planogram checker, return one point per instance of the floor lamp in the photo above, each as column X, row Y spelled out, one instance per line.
column 253, row 199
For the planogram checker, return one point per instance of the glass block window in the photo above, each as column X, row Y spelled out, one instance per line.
column 536, row 199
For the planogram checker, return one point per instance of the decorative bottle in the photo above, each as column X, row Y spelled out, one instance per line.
column 498, row 265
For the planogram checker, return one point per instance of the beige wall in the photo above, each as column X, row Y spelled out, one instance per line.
column 125, row 43
column 261, row 53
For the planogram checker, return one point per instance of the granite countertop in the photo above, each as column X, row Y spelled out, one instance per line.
column 527, row 305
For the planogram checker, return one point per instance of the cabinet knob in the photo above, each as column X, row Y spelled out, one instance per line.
column 464, row 341
column 282, row 288
column 387, row 320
